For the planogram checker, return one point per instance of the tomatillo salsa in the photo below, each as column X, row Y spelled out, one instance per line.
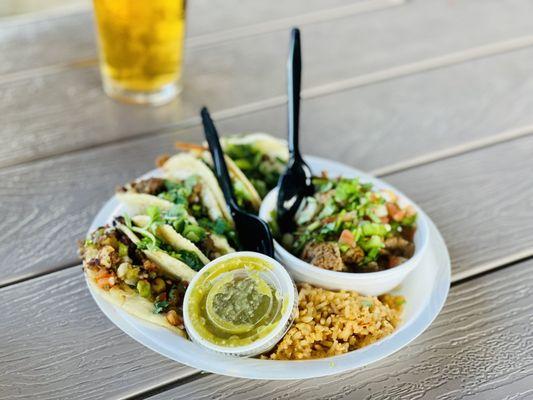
column 236, row 303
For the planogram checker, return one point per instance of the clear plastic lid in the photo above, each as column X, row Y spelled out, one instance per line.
column 240, row 304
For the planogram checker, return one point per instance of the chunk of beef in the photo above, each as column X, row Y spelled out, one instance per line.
column 325, row 255
column 398, row 246
column 354, row 255
column 152, row 186
column 208, row 247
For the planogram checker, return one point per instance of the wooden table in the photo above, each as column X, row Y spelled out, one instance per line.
column 435, row 96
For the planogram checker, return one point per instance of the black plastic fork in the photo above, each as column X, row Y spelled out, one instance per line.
column 253, row 233
column 296, row 182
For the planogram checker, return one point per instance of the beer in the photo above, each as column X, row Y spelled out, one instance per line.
column 141, row 48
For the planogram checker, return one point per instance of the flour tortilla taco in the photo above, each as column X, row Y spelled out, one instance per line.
column 182, row 166
column 262, row 142
column 245, row 193
column 254, row 160
column 172, row 261
column 180, row 204
column 261, row 157
column 171, row 237
column 163, row 193
column 136, row 281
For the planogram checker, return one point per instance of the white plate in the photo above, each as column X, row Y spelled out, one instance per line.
column 425, row 290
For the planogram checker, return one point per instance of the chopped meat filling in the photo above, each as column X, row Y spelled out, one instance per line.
column 111, row 259
column 398, row 246
column 354, row 255
column 327, row 255
column 208, row 247
column 152, row 186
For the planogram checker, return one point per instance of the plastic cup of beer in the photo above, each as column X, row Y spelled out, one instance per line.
column 141, row 48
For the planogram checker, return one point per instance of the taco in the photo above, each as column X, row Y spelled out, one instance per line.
column 203, row 237
column 164, row 193
column 180, row 205
column 179, row 243
column 261, row 157
column 184, row 166
column 173, row 261
column 134, row 280
column 247, row 197
column 256, row 160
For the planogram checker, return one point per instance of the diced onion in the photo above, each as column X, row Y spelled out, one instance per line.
column 381, row 210
column 122, row 270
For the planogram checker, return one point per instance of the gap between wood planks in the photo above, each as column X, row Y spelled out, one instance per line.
column 429, row 64
column 363, row 80
column 47, row 14
column 209, row 39
column 227, row 34
column 480, row 270
column 313, row 17
column 456, row 280
column 455, row 151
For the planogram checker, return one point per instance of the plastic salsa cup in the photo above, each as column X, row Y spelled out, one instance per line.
column 240, row 304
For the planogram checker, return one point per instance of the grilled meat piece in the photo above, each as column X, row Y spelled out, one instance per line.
column 325, row 255
column 398, row 246
column 152, row 186
column 354, row 255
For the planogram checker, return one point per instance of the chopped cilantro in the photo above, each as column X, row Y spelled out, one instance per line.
column 160, row 306
column 190, row 258
column 262, row 170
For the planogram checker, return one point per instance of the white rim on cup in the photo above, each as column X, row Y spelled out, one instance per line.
column 277, row 276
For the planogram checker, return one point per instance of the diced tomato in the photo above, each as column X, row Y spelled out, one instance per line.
column 399, row 215
column 395, row 212
column 392, row 208
column 103, row 283
column 347, row 238
column 105, row 279
column 102, row 273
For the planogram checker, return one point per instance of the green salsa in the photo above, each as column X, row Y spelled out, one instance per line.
column 235, row 304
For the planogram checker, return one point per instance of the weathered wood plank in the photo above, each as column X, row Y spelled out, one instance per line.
column 480, row 347
column 55, row 343
column 234, row 19
column 47, row 204
column 69, row 39
column 68, row 111
column 13, row 11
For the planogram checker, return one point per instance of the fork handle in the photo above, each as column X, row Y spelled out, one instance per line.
column 221, row 169
column 294, row 77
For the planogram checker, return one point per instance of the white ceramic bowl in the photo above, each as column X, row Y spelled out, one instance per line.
column 369, row 283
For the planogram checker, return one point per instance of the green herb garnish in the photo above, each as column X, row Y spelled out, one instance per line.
column 160, row 306
column 262, row 171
